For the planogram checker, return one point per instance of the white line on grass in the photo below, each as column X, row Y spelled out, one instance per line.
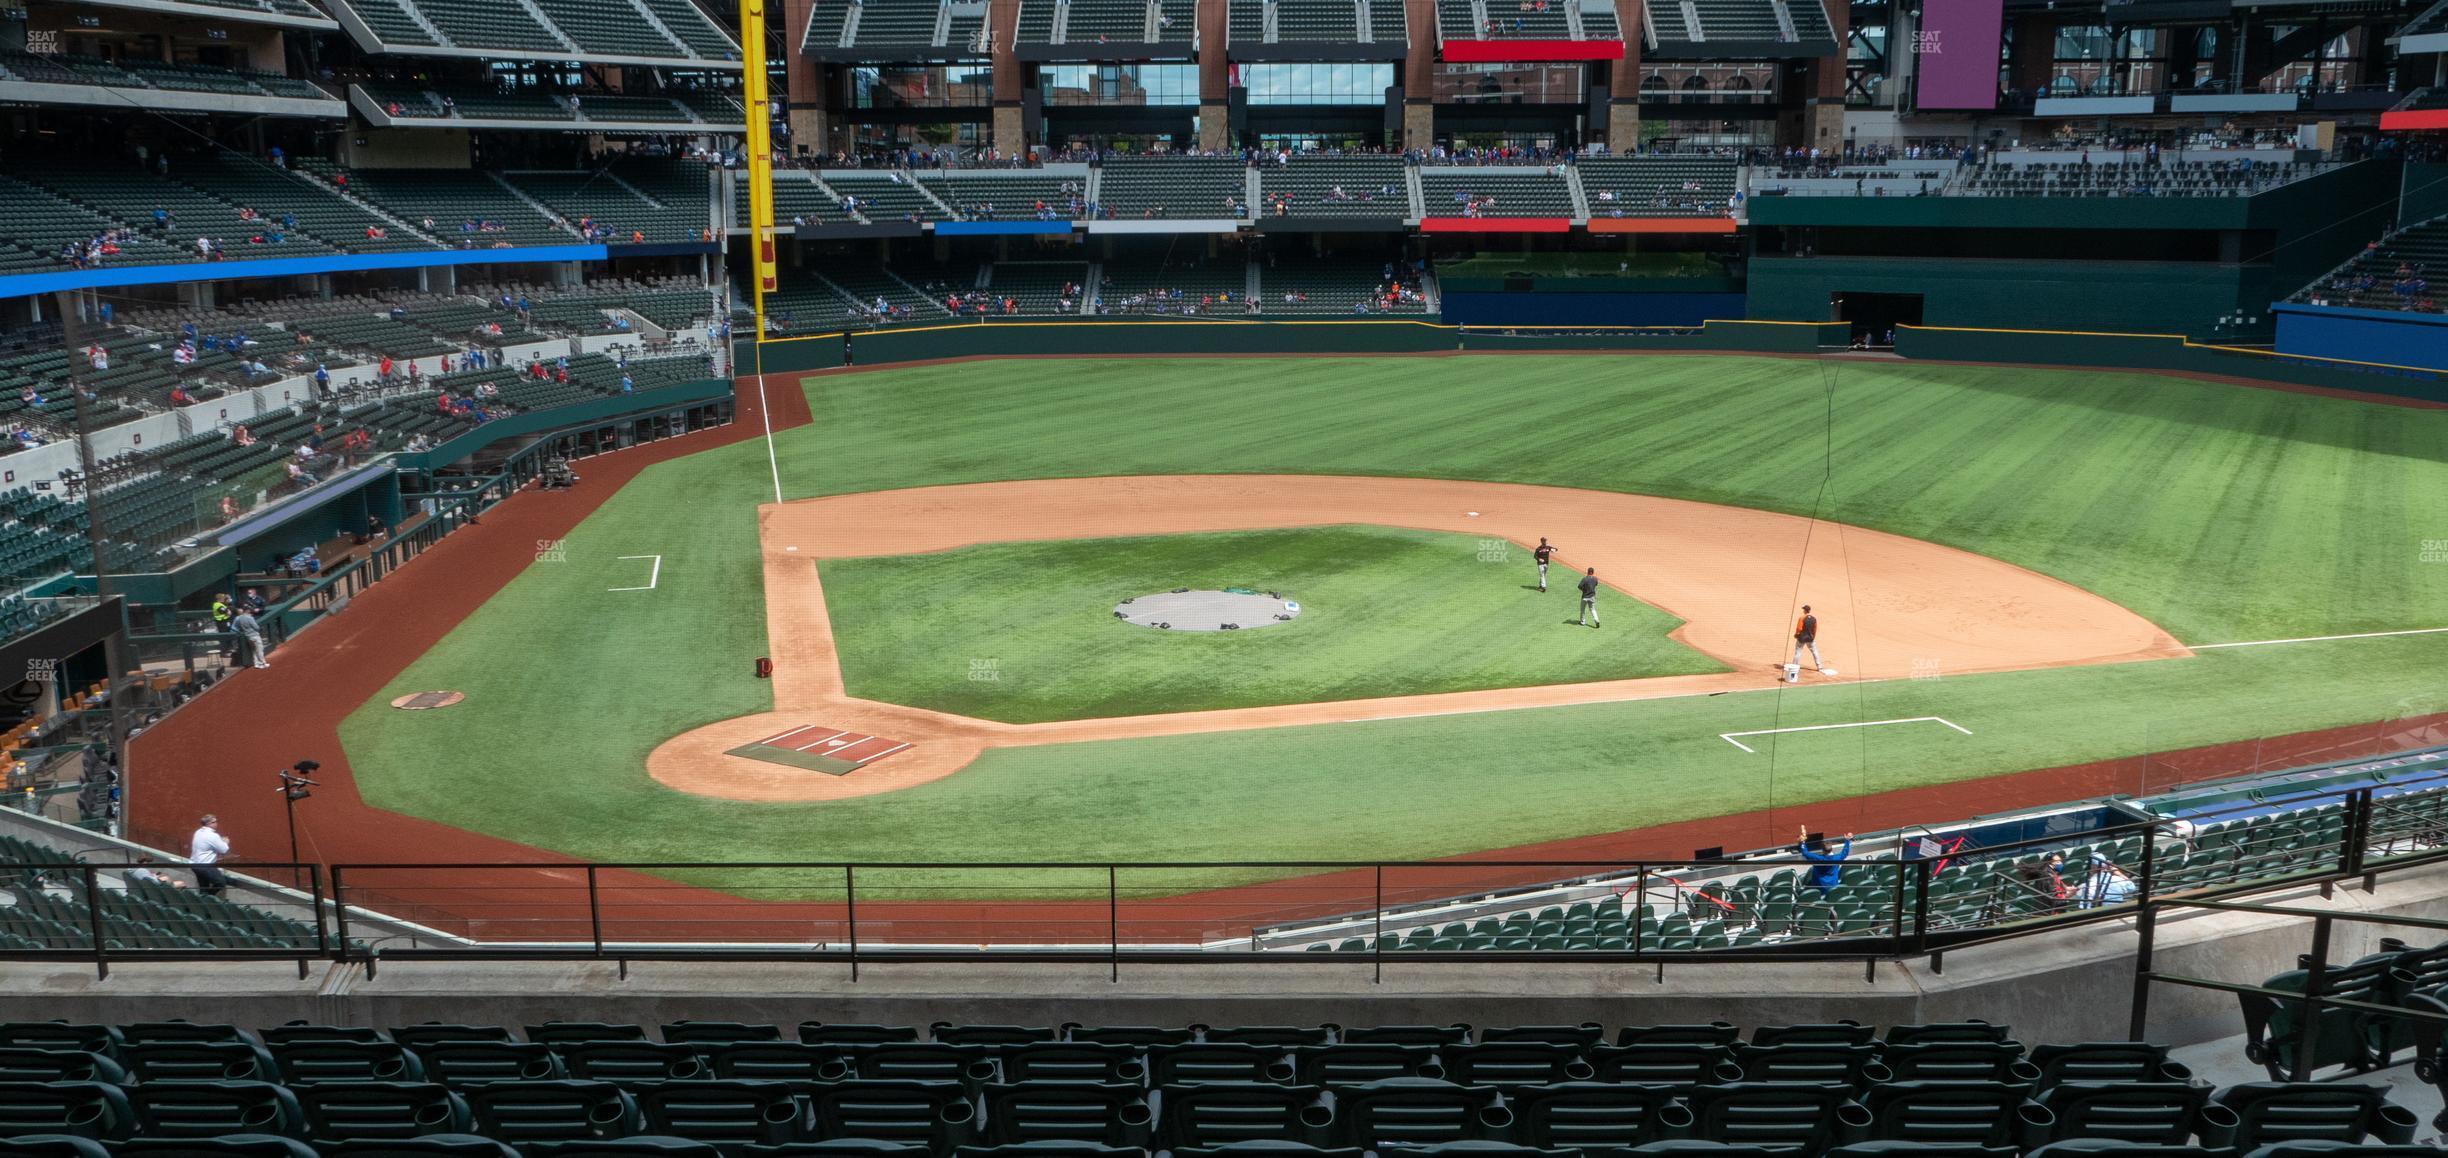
column 652, row 577
column 765, row 412
column 2319, row 638
column 1728, row 737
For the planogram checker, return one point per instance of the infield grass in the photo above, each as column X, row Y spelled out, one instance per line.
column 1384, row 612
column 2221, row 513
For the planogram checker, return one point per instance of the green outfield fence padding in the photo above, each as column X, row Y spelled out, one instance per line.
column 1189, row 338
column 2166, row 352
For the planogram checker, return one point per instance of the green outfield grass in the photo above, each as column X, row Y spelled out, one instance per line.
column 2223, row 514
column 1384, row 612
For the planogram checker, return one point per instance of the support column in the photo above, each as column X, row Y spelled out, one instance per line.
column 1009, row 132
column 1623, row 121
column 1215, row 78
column 1419, row 75
column 805, row 90
column 2034, row 53
column 1823, row 114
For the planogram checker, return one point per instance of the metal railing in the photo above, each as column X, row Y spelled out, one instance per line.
column 1878, row 908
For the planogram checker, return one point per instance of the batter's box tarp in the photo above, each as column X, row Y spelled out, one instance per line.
column 818, row 748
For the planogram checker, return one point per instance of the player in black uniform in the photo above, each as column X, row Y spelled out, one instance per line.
column 1589, row 598
column 1543, row 553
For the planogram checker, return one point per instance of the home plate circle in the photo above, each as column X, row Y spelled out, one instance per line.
column 422, row 700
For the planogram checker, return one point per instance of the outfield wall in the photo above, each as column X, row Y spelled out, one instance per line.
column 1198, row 337
column 2167, row 352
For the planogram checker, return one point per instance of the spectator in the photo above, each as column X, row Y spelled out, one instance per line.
column 144, row 873
column 250, row 631
column 252, row 602
column 1825, row 870
column 2107, row 885
column 204, row 852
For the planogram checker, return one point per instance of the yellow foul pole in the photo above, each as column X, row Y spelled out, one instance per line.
column 759, row 147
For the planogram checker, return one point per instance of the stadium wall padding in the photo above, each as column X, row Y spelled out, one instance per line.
column 1541, row 308
column 2424, row 192
column 2163, row 352
column 2404, row 339
column 2117, row 296
column 1195, row 338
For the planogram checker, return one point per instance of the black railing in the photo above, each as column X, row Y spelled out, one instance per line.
column 1365, row 913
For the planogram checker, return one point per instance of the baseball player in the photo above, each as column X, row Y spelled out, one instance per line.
column 1806, row 638
column 1544, row 554
column 1589, row 598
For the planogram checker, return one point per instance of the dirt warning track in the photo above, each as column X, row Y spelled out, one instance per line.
column 1890, row 606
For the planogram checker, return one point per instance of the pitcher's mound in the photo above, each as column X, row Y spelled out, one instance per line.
column 1232, row 609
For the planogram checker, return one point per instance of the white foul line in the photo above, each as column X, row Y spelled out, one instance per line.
column 652, row 577
column 2319, row 638
column 1728, row 737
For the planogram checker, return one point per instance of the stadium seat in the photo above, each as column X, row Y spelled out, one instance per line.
column 1711, row 1033
column 19, row 1064
column 382, row 1111
column 1270, row 1150
column 1586, row 1114
column 224, row 1146
column 1978, row 1061
column 551, row 1110
column 307, row 1062
column 633, row 1060
column 704, row 1033
column 1428, row 1035
column 581, row 1032
column 428, row 1146
column 1352, row 1064
column 2106, row 1061
column 1210, row 1114
column 818, row 1033
column 210, row 1109
column 1110, row 1114
column 996, row 1035
column 938, row 1115
column 641, row 1146
column 1665, row 1063
column 436, row 1033
column 1975, row 1113
column 1514, row 1063
column 795, row 1061
column 1276, row 1035
column 1810, row 1061
column 1139, row 1035
column 1174, row 1064
column 101, row 1039
column 96, row 1110
column 468, row 1063
column 1071, row 1061
column 2272, row 1112
column 726, row 1113
column 154, row 1061
column 52, row 1146
column 297, row 1032
column 1416, row 1112
column 2351, row 1038
column 1785, row 1114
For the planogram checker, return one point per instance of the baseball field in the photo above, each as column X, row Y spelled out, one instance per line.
column 2018, row 569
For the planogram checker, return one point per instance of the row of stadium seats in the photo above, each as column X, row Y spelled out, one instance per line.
column 167, row 76
column 1799, row 1118
column 672, row 30
column 1806, row 1087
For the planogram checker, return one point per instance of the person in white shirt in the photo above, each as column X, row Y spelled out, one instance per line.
column 204, row 852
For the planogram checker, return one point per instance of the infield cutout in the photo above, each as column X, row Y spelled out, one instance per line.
column 1232, row 609
column 819, row 748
